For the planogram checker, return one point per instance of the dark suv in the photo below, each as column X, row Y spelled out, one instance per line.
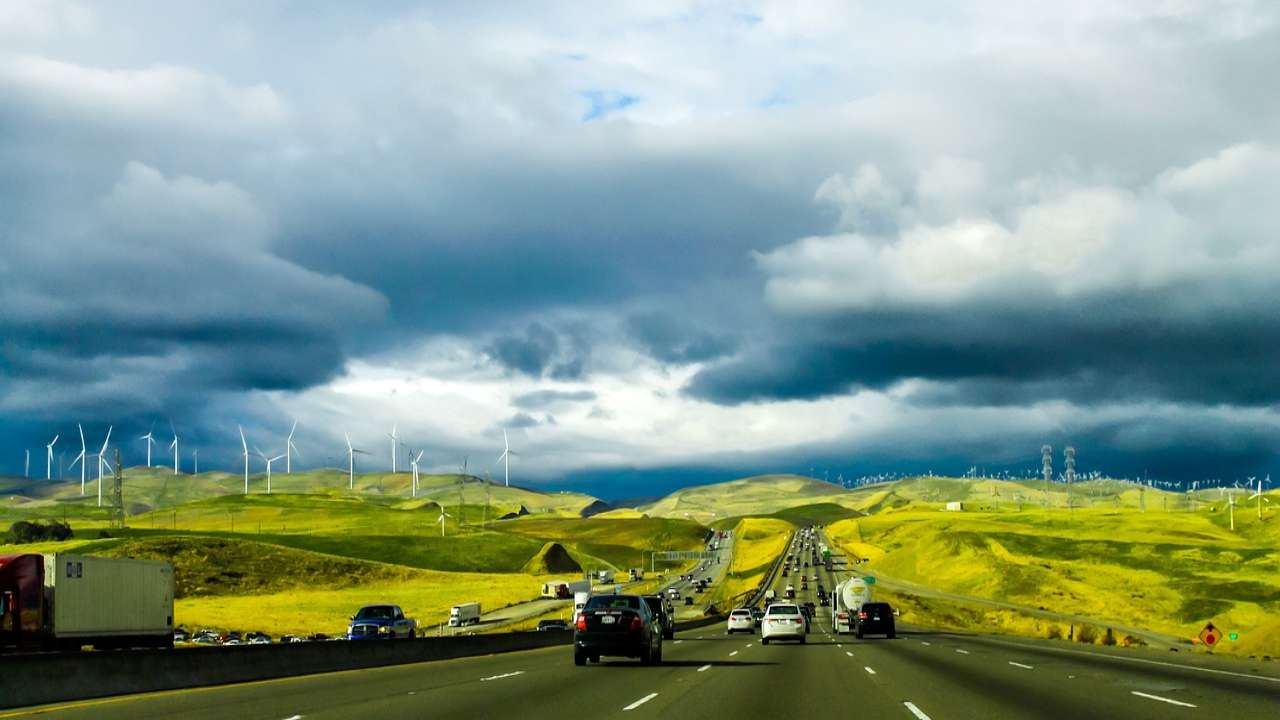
column 664, row 613
column 619, row 625
column 875, row 617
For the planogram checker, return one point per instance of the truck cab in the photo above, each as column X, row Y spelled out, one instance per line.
column 379, row 622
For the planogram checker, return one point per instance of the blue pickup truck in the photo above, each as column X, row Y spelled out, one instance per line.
column 378, row 622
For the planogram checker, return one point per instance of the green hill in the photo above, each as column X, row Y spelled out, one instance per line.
column 761, row 495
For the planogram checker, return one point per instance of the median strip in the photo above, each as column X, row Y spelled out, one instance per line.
column 640, row 702
column 916, row 711
column 1179, row 703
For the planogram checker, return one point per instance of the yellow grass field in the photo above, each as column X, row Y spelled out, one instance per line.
column 756, row 543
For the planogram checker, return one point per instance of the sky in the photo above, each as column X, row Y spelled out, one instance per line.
column 658, row 243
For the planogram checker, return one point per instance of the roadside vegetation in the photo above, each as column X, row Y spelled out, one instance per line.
column 757, row 542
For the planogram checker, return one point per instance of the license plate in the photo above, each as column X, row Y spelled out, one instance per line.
column 608, row 620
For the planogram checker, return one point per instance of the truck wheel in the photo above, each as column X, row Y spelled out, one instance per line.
column 579, row 659
column 764, row 641
column 803, row 639
column 858, row 634
column 668, row 634
column 646, row 656
column 891, row 635
column 413, row 634
column 595, row 659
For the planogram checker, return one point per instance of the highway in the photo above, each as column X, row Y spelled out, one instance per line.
column 706, row 674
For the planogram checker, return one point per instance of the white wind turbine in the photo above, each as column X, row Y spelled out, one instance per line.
column 1260, row 497
column 174, row 446
column 48, row 472
column 81, row 459
column 195, row 462
column 351, row 462
column 26, row 469
column 394, row 442
column 414, row 464
column 505, row 459
column 443, row 515
column 151, row 440
column 268, row 461
column 245, row 445
column 289, row 449
column 102, row 460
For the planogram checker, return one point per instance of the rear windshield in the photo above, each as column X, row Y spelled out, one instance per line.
column 783, row 610
column 741, row 613
column 623, row 602
column 879, row 607
column 376, row 612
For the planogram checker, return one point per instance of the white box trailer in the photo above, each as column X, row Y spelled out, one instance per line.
column 95, row 599
column 464, row 614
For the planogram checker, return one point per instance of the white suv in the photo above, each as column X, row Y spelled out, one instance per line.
column 740, row 620
column 782, row 622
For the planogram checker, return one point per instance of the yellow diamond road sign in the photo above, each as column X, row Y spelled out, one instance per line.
column 1210, row 635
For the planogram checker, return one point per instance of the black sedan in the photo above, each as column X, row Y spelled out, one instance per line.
column 617, row 625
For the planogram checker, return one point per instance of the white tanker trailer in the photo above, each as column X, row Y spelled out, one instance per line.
column 846, row 599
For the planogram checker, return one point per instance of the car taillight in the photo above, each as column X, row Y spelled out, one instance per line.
column 843, row 616
column 636, row 623
column 862, row 616
column 581, row 622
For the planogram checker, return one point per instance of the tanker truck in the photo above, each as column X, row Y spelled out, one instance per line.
column 846, row 599
column 68, row 601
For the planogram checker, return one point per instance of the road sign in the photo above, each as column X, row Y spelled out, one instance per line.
column 1233, row 636
column 869, row 580
column 1210, row 635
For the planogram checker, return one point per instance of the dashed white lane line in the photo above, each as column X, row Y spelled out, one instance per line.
column 705, row 668
column 922, row 642
column 504, row 675
column 1018, row 664
column 735, row 652
column 677, row 642
column 839, row 645
column 750, row 644
column 640, row 702
column 869, row 670
column 962, row 652
column 846, row 652
column 295, row 717
column 916, row 711
column 1179, row 703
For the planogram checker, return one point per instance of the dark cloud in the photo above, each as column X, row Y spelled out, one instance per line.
column 674, row 339
column 530, row 353
column 520, row 421
column 540, row 399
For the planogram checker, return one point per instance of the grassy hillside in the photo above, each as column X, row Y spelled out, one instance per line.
column 620, row 543
column 1169, row 572
column 760, row 495
column 757, row 542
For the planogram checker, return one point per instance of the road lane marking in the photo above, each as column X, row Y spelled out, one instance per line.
column 677, row 642
column 1162, row 699
column 640, row 702
column 869, row 670
column 705, row 668
column 925, row 643
column 750, row 644
column 295, row 717
column 1018, row 664
column 839, row 645
column 735, row 652
column 916, row 711
column 962, row 652
column 846, row 652
column 504, row 675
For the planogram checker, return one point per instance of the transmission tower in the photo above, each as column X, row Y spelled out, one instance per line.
column 117, row 495
column 1046, row 458
column 1070, row 461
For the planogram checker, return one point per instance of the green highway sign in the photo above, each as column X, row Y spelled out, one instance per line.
column 1233, row 636
column 869, row 580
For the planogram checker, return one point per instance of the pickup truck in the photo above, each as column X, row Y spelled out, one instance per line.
column 375, row 622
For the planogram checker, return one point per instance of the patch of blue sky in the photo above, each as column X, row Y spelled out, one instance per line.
column 604, row 102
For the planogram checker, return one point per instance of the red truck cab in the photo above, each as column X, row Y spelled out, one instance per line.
column 21, row 600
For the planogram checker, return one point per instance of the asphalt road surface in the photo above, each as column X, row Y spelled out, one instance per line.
column 708, row 674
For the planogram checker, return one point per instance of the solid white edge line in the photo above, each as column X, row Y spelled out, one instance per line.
column 705, row 668
column 1121, row 658
column 640, row 702
column 1162, row 699
column 1018, row 664
column 868, row 669
column 916, row 711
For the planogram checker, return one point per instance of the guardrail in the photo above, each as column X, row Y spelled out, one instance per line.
column 58, row 677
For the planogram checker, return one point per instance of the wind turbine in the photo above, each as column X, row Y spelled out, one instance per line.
column 351, row 462
column 245, row 446
column 414, row 463
column 289, row 447
column 443, row 515
column 394, row 442
column 102, row 459
column 174, row 446
column 150, row 441
column 26, row 469
column 48, row 471
column 1260, row 497
column 505, row 459
column 195, row 462
column 81, row 459
column 268, row 461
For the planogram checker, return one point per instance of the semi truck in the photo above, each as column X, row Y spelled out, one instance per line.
column 564, row 588
column 604, row 577
column 846, row 600
column 66, row 601
column 637, row 574
column 464, row 614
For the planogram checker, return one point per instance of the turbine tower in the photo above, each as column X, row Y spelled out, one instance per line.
column 351, row 462
column 268, row 461
column 48, row 471
column 245, row 445
column 174, row 446
column 1259, row 496
column 81, row 458
column 443, row 515
column 150, row 441
column 195, row 462
column 26, row 468
column 102, row 458
column 1046, row 458
column 414, row 464
column 394, row 441
column 505, row 459
column 289, row 447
